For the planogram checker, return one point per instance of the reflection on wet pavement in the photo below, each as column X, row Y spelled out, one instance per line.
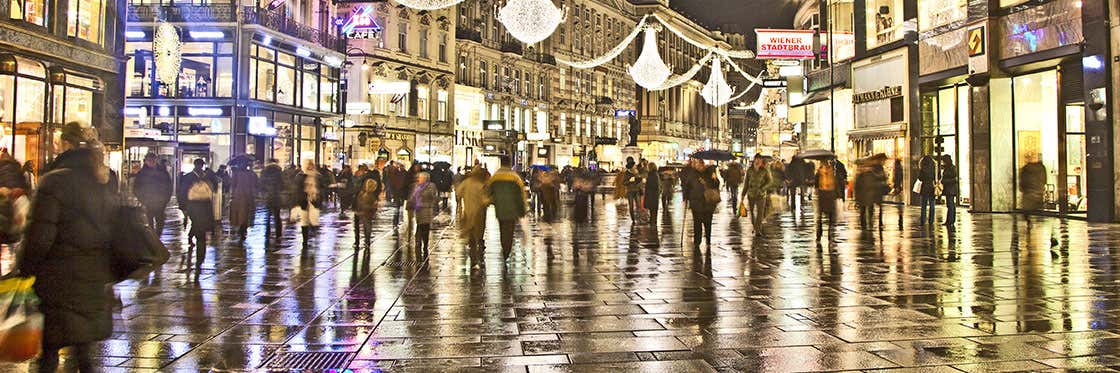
column 614, row 295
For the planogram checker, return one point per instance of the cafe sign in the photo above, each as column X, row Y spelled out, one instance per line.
column 878, row 94
column 784, row 44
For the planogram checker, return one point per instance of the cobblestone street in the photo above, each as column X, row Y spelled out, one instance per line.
column 1000, row 293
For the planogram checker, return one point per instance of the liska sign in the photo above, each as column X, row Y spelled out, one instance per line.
column 784, row 44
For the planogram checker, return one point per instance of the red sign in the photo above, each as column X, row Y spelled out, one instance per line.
column 784, row 44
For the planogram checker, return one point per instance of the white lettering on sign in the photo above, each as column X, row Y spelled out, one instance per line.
column 784, row 44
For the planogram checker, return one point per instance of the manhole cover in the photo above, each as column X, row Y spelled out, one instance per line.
column 316, row 361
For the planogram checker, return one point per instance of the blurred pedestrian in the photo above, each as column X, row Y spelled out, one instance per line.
column 242, row 199
column 927, row 175
column 759, row 181
column 67, row 250
column 273, row 187
column 507, row 193
column 475, row 199
column 365, row 210
column 310, row 189
column 1032, row 183
column 443, row 178
column 345, row 182
column 583, row 188
column 950, row 188
column 29, row 173
column 704, row 196
column 550, row 194
column 422, row 203
column 869, row 188
column 795, row 180
column 200, row 190
column 152, row 186
column 733, row 177
column 652, row 195
column 827, row 190
column 841, row 179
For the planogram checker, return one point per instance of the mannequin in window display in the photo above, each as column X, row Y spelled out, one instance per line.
column 1032, row 183
column 201, row 87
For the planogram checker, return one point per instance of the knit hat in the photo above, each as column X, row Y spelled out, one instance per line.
column 79, row 136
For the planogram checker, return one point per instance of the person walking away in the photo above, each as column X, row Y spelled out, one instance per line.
column 703, row 199
column 345, row 181
column 422, row 204
column 795, row 177
column 309, row 194
column 883, row 188
column 950, row 188
column 688, row 177
column 67, row 249
column 865, row 191
column 583, row 188
column 899, row 187
column 652, row 196
column 927, row 175
column 152, row 186
column 777, row 176
column 1032, row 183
column 200, row 192
column 507, row 193
column 475, row 199
column 733, row 178
column 365, row 209
column 668, row 180
column 827, row 189
column 841, row 180
column 242, row 199
column 550, row 194
column 759, row 180
column 442, row 178
column 272, row 185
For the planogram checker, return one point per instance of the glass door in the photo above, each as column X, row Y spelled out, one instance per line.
column 1075, row 159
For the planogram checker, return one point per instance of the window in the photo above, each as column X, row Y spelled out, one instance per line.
column 441, row 105
column 884, row 22
column 402, row 38
column 483, row 74
column 32, row 11
column 310, row 80
column 422, row 97
column 442, row 47
column 843, row 37
column 423, row 43
column 935, row 13
column 84, row 20
column 206, row 71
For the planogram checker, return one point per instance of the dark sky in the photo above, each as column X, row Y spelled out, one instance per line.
column 746, row 14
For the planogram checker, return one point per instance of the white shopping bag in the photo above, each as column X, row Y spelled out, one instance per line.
column 917, row 187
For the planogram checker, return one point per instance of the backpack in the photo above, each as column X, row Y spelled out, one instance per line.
column 200, row 191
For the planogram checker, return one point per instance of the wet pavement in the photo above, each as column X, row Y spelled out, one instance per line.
column 999, row 293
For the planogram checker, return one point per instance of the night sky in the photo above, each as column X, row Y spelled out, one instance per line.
column 746, row 15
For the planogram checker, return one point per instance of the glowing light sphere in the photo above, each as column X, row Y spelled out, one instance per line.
column 649, row 71
column 530, row 21
column 168, row 52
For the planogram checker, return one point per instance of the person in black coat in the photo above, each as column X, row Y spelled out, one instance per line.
column 950, row 188
column 199, row 188
column 272, row 186
column 441, row 177
column 927, row 175
column 652, row 194
column 67, row 249
column 152, row 186
column 703, row 208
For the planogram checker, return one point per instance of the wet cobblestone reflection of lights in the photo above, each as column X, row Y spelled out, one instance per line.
column 999, row 293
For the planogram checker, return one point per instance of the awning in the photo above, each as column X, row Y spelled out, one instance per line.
column 887, row 131
column 813, row 98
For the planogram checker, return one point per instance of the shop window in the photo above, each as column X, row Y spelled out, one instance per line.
column 195, row 78
column 224, row 82
column 84, row 20
column 842, row 24
column 285, row 85
column 884, row 22
column 310, row 99
column 1036, row 139
column 32, row 11
column 265, row 81
column 1075, row 159
column 327, row 92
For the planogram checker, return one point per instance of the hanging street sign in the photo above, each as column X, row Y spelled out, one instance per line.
column 784, row 44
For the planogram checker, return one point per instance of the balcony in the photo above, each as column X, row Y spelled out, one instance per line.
column 291, row 27
column 544, row 58
column 468, row 34
column 182, row 13
column 511, row 47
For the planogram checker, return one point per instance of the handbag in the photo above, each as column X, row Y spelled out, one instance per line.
column 742, row 209
column 21, row 325
column 917, row 187
column 137, row 251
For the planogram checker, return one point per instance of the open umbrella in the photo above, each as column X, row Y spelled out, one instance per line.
column 817, row 154
column 713, row 155
column 442, row 164
column 241, row 160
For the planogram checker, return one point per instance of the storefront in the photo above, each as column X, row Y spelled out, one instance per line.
column 881, row 101
column 946, row 130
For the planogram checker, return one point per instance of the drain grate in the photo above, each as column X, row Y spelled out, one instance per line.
column 316, row 361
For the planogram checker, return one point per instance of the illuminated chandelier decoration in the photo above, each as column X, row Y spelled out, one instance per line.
column 168, row 51
column 716, row 92
column 530, row 21
column 649, row 71
column 428, row 4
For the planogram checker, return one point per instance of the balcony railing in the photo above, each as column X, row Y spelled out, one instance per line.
column 511, row 47
column 468, row 34
column 544, row 58
column 283, row 24
column 182, row 13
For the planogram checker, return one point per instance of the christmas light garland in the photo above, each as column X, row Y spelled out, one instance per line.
column 611, row 54
column 428, row 4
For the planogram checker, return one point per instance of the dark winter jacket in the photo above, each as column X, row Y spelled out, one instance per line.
column 950, row 181
column 870, row 185
column 152, row 186
column 653, row 189
column 441, row 177
column 696, row 200
column 272, row 186
column 243, row 197
column 11, row 174
column 67, row 249
column 927, row 174
column 507, row 193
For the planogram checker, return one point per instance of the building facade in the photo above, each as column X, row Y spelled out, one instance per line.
column 1014, row 92
column 59, row 63
column 401, row 83
column 255, row 79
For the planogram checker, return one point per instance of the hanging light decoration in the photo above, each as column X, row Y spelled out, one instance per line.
column 530, row 21
column 649, row 71
column 716, row 92
column 168, row 51
column 428, row 4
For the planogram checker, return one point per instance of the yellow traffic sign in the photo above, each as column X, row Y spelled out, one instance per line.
column 976, row 41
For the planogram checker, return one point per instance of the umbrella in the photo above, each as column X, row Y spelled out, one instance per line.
column 241, row 160
column 541, row 167
column 713, row 155
column 442, row 164
column 818, row 154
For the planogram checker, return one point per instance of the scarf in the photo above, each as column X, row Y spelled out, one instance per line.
column 416, row 194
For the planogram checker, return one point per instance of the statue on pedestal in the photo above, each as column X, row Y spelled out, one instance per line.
column 635, row 130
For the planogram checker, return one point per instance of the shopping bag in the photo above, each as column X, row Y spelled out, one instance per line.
column 777, row 204
column 743, row 209
column 917, row 187
column 21, row 324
